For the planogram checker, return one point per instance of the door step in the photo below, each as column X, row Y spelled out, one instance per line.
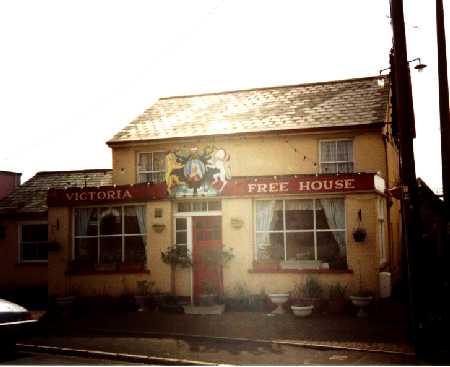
column 204, row 310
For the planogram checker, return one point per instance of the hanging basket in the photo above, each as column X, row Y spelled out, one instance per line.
column 359, row 234
column 158, row 227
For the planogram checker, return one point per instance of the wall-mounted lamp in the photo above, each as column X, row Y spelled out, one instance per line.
column 419, row 67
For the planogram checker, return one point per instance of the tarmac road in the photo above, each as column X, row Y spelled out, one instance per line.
column 34, row 359
column 222, row 352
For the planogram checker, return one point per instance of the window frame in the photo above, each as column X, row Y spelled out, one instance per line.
column 123, row 235
column 285, row 231
column 188, row 216
column 336, row 162
column 20, row 252
column 381, row 229
column 138, row 167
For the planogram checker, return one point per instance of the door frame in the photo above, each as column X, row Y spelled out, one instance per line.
column 188, row 216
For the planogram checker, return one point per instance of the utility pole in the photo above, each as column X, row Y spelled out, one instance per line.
column 444, row 108
column 403, row 105
column 444, row 113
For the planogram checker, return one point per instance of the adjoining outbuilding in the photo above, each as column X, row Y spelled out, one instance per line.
column 25, row 232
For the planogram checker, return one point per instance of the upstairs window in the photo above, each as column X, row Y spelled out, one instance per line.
column 151, row 167
column 33, row 242
column 336, row 156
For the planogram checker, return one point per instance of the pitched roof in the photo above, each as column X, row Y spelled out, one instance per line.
column 31, row 196
column 294, row 107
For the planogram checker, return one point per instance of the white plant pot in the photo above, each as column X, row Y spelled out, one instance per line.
column 278, row 299
column 361, row 302
column 302, row 311
column 66, row 301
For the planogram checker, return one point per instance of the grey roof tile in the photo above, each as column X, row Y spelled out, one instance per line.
column 31, row 196
column 296, row 107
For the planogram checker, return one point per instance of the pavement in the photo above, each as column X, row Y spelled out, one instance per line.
column 385, row 330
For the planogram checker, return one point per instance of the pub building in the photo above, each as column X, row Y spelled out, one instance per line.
column 285, row 176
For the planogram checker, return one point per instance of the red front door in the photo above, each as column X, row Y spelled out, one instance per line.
column 206, row 237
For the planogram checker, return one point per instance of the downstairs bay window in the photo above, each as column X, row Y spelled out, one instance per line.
column 108, row 235
column 308, row 232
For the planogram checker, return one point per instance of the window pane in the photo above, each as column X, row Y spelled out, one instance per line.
column 199, row 206
column 300, row 246
column 344, row 150
column 380, row 207
column 110, row 250
column 184, row 206
column 331, row 249
column 270, row 246
column 299, row 214
column 181, row 238
column 328, row 151
column 214, row 205
column 34, row 232
column 180, row 224
column 34, row 251
column 135, row 249
column 111, row 220
column 86, row 221
column 330, row 214
column 86, row 249
column 156, row 177
column 328, row 167
column 143, row 177
column 269, row 215
column 159, row 161
column 134, row 219
column 345, row 167
column 145, row 162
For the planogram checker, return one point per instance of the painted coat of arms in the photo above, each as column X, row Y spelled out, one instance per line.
column 191, row 172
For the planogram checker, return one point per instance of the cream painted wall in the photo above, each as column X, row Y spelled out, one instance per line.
column 363, row 259
column 268, row 155
column 262, row 155
column 58, row 283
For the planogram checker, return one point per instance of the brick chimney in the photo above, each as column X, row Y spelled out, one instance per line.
column 8, row 182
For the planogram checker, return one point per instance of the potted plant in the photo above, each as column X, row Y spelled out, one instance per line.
column 312, row 293
column 175, row 257
column 143, row 294
column 239, row 299
column 215, row 259
column 65, row 304
column 299, row 306
column 359, row 234
column 337, row 298
column 362, row 298
column 209, row 295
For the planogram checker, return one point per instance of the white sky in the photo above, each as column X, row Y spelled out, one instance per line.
column 73, row 73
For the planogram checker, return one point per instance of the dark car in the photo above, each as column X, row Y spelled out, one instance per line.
column 15, row 321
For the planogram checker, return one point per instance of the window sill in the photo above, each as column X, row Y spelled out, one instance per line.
column 75, row 268
column 32, row 263
column 300, row 271
column 107, row 272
